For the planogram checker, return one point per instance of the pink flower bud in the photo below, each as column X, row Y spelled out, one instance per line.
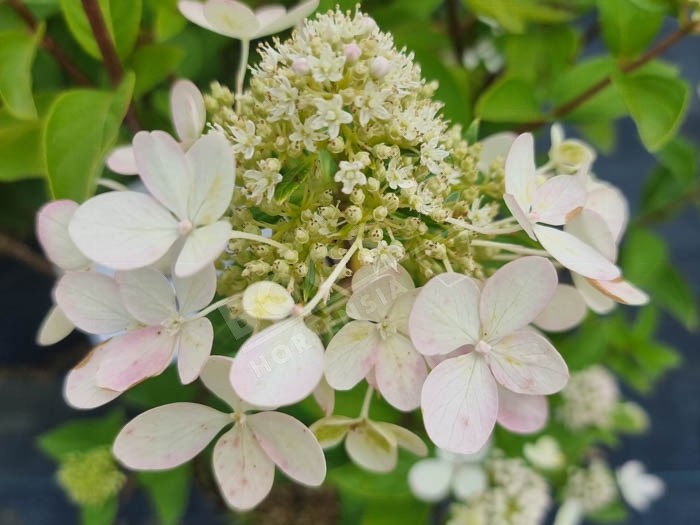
column 352, row 52
column 379, row 68
column 300, row 66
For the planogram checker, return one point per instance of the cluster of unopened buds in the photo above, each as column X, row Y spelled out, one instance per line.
column 141, row 267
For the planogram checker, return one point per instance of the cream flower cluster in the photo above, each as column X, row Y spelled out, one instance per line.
column 590, row 398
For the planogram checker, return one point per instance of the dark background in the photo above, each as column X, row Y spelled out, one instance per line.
column 30, row 377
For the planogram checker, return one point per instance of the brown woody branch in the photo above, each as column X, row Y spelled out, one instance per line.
column 22, row 253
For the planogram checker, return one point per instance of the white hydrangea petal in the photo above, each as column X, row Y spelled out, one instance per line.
column 351, row 354
column 520, row 171
column 557, row 198
column 430, row 479
column 279, row 366
column 213, row 170
column 134, row 357
column 610, row 203
column 638, row 488
column 290, row 19
column 290, row 445
column 515, row 295
column 371, row 447
column 243, row 471
column 121, row 160
column 193, row 10
column 566, row 310
column 216, row 376
column 194, row 343
column 595, row 300
column 445, row 314
column 147, row 295
column 331, row 430
column 167, row 436
column 591, row 228
column 368, row 274
column 201, row 248
column 373, row 296
column 52, row 232
column 400, row 372
column 520, row 413
column 91, row 301
column 570, row 512
column 196, row 291
column 519, row 215
column 267, row 300
column 123, row 230
column 54, row 327
column 80, row 388
column 621, row 291
column 400, row 312
column 527, row 363
column 494, row 146
column 324, row 395
column 575, row 254
column 187, row 109
column 404, row 438
column 460, row 404
column 267, row 14
column 164, row 170
column 231, row 18
column 469, row 481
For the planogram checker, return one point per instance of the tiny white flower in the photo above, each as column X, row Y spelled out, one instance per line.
column 545, row 453
column 328, row 66
column 245, row 140
column 330, row 114
column 350, row 175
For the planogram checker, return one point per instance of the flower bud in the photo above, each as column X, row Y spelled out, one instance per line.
column 352, row 52
column 301, row 269
column 326, row 198
column 300, row 66
column 357, row 196
column 318, row 251
column 379, row 213
column 280, row 268
column 291, row 256
column 336, row 252
column 391, row 201
column 336, row 145
column 353, row 214
column 363, row 157
column 379, row 68
column 329, row 213
column 365, row 256
column 301, row 236
column 376, row 234
column 372, row 184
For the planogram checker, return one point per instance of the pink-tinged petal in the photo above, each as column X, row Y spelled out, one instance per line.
column 123, row 230
column 216, row 376
column 267, row 300
column 400, row 371
column 566, row 310
column 267, row 14
column 202, row 246
column 121, row 160
column 519, row 215
column 590, row 227
column 168, row 436
column 460, row 404
column 91, row 301
column 430, row 479
column 55, row 327
column 135, row 356
column 194, row 343
column 80, row 388
column 231, row 18
column 595, row 300
column 147, row 295
column 557, row 199
column 290, row 19
column 331, row 430
column 164, row 170
column 214, row 170
column 193, row 10
column 400, row 312
column 371, row 447
column 445, row 314
column 404, row 438
column 621, row 291
column 526, row 363
column 520, row 171
column 196, row 291
column 374, row 295
column 351, row 354
column 52, row 231
column 575, row 254
column 469, row 480
column 515, row 295
column 291, row 446
column 243, row 471
column 520, row 413
column 494, row 146
column 324, row 395
column 609, row 202
column 187, row 110
column 278, row 366
column 434, row 360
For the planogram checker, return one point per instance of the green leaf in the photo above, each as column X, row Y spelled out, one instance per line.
column 154, row 64
column 20, row 148
column 374, row 487
column 656, row 103
column 121, row 18
column 81, row 435
column 169, row 22
column 627, row 29
column 393, row 513
column 600, row 133
column 17, row 52
column 514, row 15
column 509, row 100
column 104, row 514
column 675, row 294
column 169, row 492
column 81, row 127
